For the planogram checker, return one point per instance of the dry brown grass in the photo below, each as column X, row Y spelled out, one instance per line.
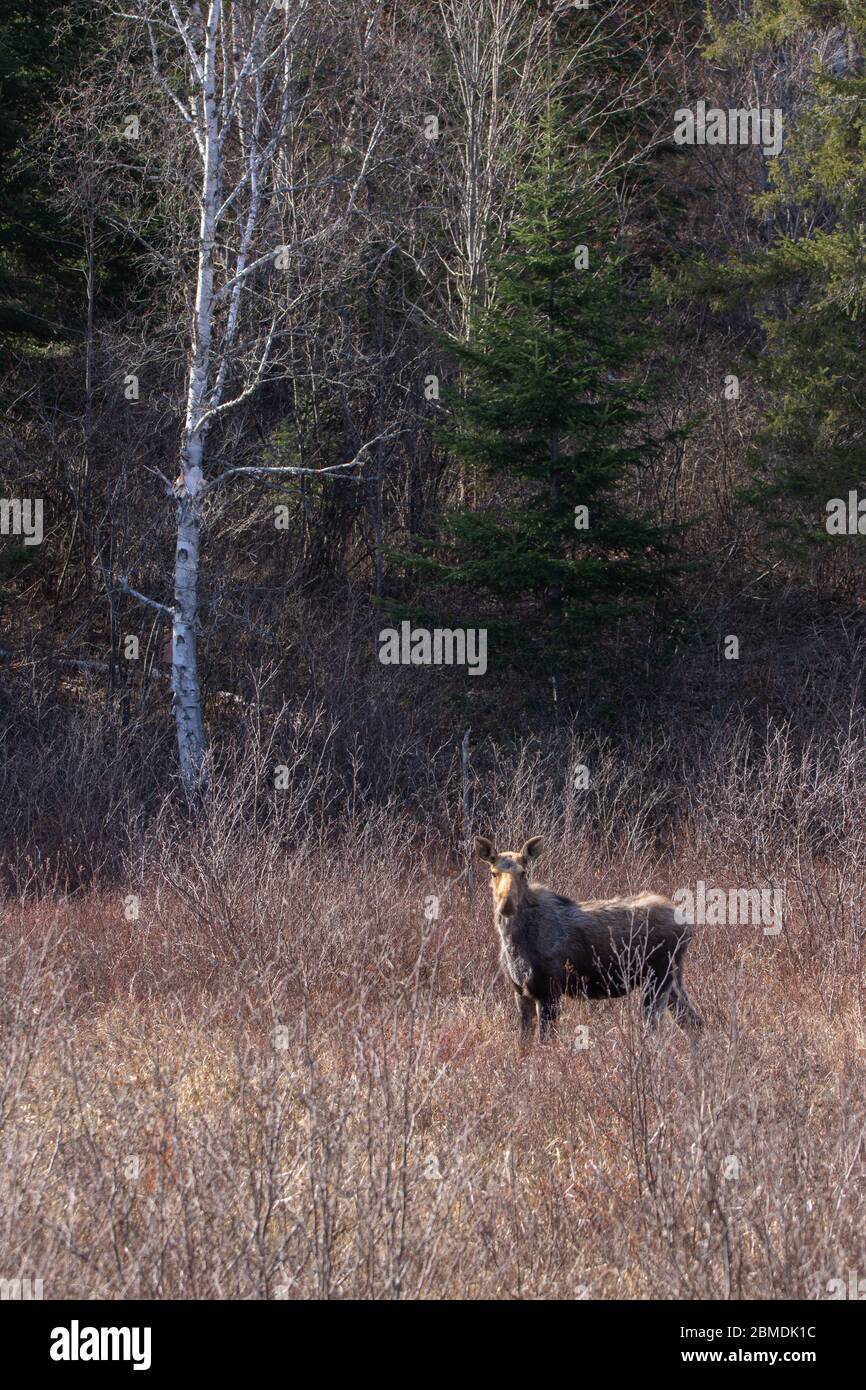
column 283, row 1081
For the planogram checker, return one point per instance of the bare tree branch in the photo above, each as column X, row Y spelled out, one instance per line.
column 125, row 588
column 290, row 470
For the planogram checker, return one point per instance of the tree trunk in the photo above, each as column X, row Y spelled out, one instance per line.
column 191, row 745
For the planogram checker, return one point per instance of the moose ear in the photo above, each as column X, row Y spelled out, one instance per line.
column 484, row 849
column 532, row 848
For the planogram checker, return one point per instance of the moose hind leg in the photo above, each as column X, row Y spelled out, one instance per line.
column 681, row 1005
column 655, row 992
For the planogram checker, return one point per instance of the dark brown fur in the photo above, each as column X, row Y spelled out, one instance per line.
column 551, row 946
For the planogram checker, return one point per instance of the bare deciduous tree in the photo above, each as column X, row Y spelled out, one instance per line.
column 237, row 105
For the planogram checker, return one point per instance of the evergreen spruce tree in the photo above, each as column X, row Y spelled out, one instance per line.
column 807, row 286
column 547, row 424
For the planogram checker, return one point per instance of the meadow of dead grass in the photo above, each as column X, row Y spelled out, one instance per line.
column 260, row 1063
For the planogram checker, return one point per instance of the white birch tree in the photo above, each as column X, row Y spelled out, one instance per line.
column 229, row 72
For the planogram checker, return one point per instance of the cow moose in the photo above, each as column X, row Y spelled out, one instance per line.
column 551, row 946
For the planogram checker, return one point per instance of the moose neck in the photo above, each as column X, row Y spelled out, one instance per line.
column 512, row 927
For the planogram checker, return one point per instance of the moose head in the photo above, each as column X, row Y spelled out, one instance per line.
column 508, row 871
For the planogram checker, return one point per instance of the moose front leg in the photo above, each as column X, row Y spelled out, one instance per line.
column 526, row 1009
column 548, row 1015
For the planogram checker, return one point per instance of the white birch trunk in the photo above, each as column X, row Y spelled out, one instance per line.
column 234, row 60
column 188, row 714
